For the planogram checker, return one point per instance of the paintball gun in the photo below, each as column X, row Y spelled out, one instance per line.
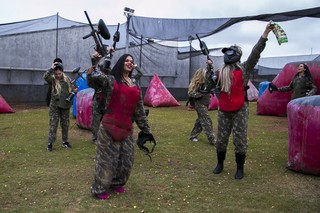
column 204, row 48
column 103, row 31
column 72, row 94
column 205, row 51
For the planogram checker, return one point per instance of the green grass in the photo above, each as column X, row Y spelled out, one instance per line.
column 179, row 178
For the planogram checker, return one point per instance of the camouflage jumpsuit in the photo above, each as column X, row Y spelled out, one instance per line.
column 59, row 109
column 114, row 159
column 237, row 121
column 201, row 104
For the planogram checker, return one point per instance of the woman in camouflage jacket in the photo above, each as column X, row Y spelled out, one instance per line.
column 115, row 145
column 59, row 108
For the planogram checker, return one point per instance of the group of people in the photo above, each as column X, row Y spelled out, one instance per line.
column 232, row 81
column 119, row 96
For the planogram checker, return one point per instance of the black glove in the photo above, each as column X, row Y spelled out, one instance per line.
column 272, row 87
column 142, row 140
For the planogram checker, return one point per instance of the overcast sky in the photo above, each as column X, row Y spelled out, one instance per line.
column 303, row 34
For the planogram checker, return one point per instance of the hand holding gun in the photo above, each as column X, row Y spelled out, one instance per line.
column 73, row 82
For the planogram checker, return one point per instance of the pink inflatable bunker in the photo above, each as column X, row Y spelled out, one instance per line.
column 158, row 95
column 276, row 103
column 4, row 106
column 253, row 93
column 304, row 138
column 214, row 102
column 84, row 108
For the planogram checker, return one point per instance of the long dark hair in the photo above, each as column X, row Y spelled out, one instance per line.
column 307, row 72
column 117, row 70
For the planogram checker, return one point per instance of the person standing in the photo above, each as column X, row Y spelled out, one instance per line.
column 59, row 108
column 102, row 67
column 200, row 88
column 115, row 145
column 233, row 103
column 301, row 85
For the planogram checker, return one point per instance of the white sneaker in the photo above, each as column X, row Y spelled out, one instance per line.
column 194, row 139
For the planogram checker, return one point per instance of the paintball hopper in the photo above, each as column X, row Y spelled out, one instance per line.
column 203, row 46
column 76, row 70
column 103, row 30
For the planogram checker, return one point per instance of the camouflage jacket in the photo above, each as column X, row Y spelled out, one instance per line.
column 301, row 87
column 58, row 100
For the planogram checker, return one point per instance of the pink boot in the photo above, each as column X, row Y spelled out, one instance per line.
column 103, row 196
column 119, row 189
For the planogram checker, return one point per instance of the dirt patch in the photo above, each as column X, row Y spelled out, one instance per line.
column 20, row 107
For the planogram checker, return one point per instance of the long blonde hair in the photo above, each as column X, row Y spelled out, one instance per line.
column 57, row 85
column 226, row 75
column 198, row 79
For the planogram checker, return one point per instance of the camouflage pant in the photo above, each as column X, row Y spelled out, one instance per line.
column 56, row 114
column 114, row 161
column 203, row 122
column 96, row 118
column 237, row 122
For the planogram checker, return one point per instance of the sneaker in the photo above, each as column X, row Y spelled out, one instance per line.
column 194, row 139
column 50, row 147
column 119, row 189
column 66, row 145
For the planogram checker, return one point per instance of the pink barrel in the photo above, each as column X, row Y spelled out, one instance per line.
column 304, row 135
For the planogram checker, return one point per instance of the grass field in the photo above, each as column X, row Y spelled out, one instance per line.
column 179, row 178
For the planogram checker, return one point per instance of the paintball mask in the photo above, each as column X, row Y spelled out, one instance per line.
column 232, row 54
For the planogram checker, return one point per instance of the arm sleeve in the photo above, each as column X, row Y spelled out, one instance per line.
column 141, row 119
column 255, row 55
column 96, row 80
column 48, row 75
column 313, row 88
column 286, row 88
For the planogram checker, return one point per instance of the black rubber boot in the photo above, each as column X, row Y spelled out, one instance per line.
column 240, row 159
column 221, row 156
